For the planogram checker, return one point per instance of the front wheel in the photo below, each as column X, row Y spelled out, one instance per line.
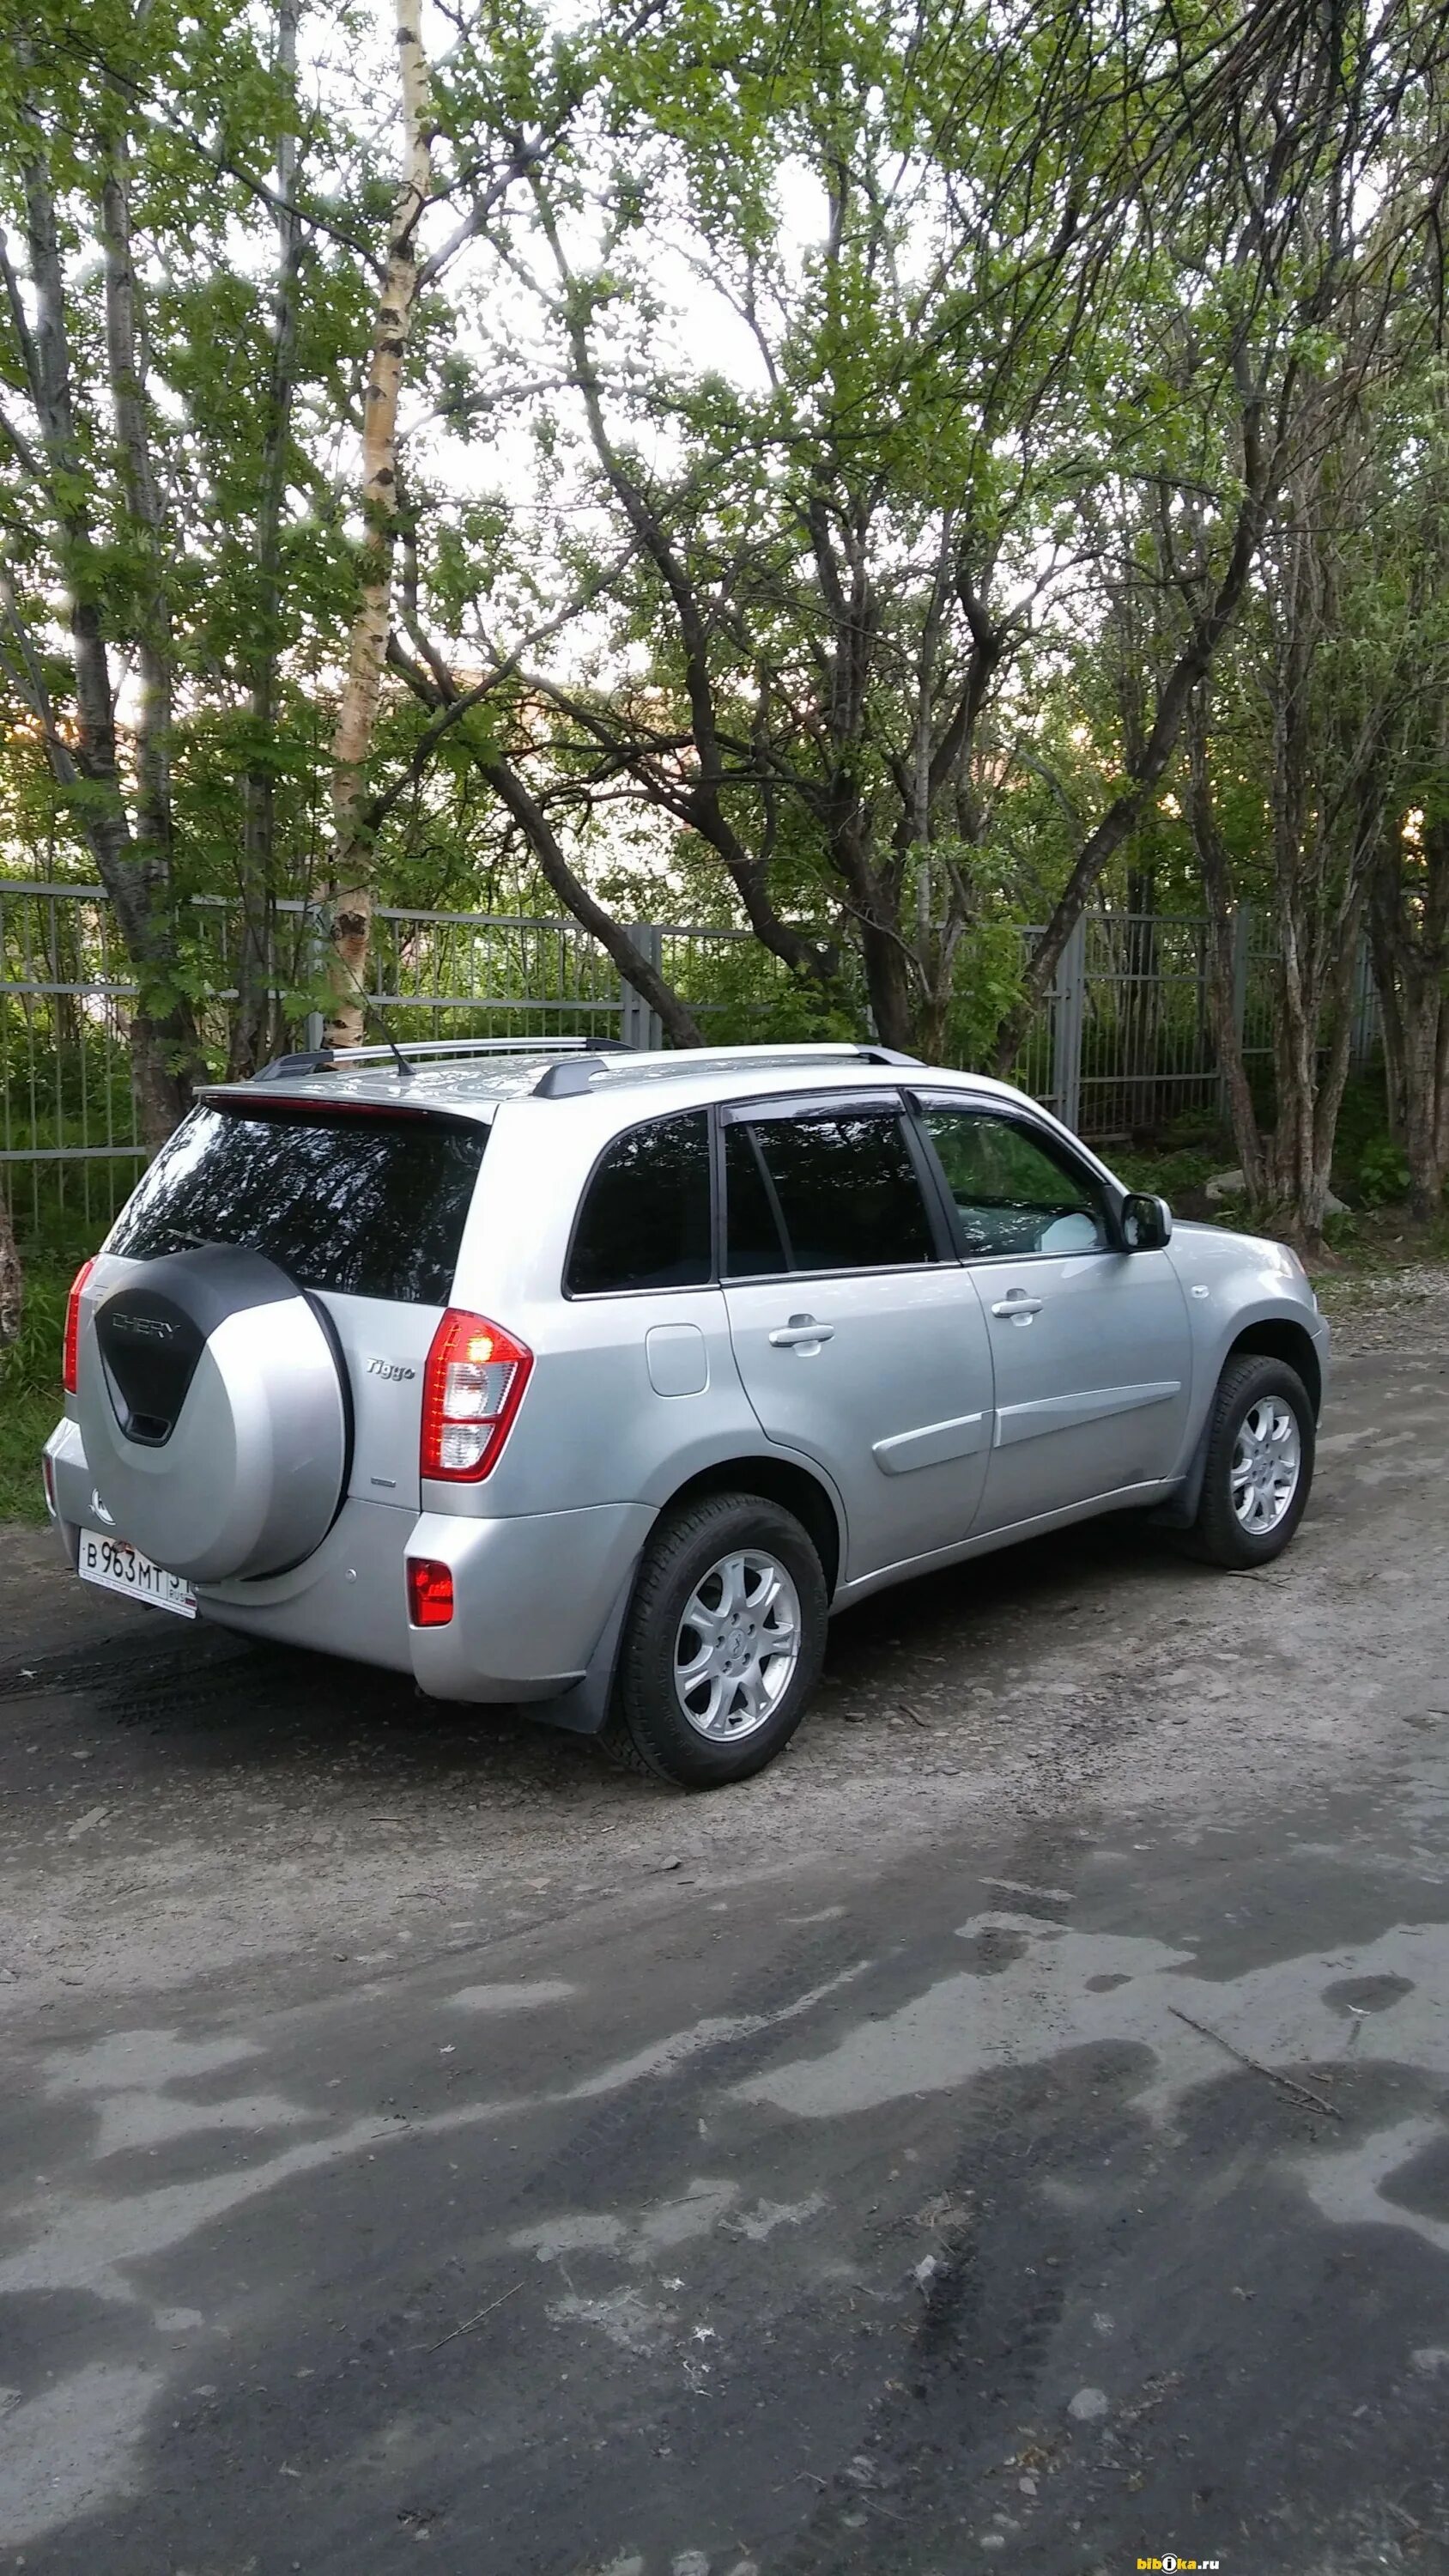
column 723, row 1645
column 1259, row 1467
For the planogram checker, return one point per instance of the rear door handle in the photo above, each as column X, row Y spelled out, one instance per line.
column 801, row 1328
column 1018, row 1306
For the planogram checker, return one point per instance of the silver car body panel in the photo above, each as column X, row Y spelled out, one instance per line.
column 895, row 1399
column 932, row 1427
column 1092, row 1390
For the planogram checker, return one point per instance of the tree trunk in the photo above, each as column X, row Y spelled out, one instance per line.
column 1127, row 808
column 1383, row 904
column 165, row 1045
column 12, row 1284
column 889, row 984
column 1310, row 1095
column 679, row 1022
column 252, row 1023
column 1411, row 951
column 133, row 867
column 362, row 690
column 1212, row 859
column 436, row 689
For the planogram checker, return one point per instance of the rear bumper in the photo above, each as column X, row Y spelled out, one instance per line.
column 532, row 1595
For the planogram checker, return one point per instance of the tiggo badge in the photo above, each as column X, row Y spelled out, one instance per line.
column 389, row 1369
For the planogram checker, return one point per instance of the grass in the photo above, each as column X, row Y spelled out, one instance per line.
column 30, row 1389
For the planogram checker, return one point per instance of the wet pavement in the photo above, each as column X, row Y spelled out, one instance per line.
column 1011, row 2135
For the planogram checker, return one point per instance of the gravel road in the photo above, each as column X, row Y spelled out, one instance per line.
column 1010, row 2134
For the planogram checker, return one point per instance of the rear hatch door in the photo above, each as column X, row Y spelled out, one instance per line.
column 363, row 1205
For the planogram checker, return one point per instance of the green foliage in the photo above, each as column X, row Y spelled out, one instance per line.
column 30, row 1390
column 742, row 1004
column 1170, row 1174
column 1380, row 1174
column 919, row 447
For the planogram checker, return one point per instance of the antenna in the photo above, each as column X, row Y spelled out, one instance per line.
column 373, row 1008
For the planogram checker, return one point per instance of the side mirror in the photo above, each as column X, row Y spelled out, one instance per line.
column 1146, row 1222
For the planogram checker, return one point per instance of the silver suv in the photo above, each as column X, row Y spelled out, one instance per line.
column 596, row 1381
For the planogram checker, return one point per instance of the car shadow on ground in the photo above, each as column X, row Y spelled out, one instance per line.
column 218, row 1702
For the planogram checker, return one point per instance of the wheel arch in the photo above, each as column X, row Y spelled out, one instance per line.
column 776, row 1480
column 1277, row 1337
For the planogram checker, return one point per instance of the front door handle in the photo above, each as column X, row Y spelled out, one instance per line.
column 1018, row 1308
column 801, row 1328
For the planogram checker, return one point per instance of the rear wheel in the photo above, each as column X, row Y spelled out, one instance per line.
column 723, row 1643
column 1259, row 1467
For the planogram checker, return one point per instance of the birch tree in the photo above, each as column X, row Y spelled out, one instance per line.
column 351, row 896
column 257, row 876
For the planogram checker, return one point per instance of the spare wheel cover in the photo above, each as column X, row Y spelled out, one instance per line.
column 214, row 1413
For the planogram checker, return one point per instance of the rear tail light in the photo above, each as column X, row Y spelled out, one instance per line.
column 430, row 1592
column 70, row 1369
column 472, row 1389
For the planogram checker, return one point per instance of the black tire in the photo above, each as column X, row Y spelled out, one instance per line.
column 648, row 1730
column 1217, row 1535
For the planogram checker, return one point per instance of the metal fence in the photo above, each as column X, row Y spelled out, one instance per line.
column 1123, row 1046
column 1126, row 1045
column 69, row 1141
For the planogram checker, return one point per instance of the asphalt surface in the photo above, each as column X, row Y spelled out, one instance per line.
column 1010, row 2135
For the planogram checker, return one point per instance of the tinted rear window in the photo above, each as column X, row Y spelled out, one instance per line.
column 845, row 1189
column 369, row 1207
column 645, row 1217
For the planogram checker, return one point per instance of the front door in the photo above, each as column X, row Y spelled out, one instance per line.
column 1090, row 1343
column 858, row 1335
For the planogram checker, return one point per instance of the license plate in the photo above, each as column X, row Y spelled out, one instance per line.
column 119, row 1567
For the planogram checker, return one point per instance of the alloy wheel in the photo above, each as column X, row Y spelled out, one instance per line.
column 1267, row 1463
column 737, row 1645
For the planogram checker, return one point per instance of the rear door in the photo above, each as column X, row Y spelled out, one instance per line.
column 362, row 1205
column 1090, row 1344
column 857, row 1333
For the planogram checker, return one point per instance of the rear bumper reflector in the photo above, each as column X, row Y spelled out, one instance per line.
column 430, row 1592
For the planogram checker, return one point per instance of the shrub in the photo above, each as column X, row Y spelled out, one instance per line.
column 1383, row 1172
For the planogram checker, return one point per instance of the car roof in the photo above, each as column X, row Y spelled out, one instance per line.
column 475, row 1087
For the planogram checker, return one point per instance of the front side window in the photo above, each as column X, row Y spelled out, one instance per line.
column 1013, row 1192
column 645, row 1217
column 833, row 1190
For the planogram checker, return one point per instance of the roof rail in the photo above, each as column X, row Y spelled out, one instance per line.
column 572, row 1074
column 575, row 1073
column 284, row 1067
column 810, row 1051
column 579, row 1059
column 488, row 1046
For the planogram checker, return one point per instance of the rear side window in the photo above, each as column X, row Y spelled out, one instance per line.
column 842, row 1186
column 365, row 1206
column 754, row 1244
column 644, row 1222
